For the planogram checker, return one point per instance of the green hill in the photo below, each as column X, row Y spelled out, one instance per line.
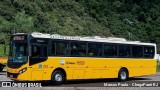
column 131, row 19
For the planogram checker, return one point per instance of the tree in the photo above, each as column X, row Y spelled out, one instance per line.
column 5, row 28
column 23, row 23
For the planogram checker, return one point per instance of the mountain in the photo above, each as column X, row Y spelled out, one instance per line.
column 131, row 19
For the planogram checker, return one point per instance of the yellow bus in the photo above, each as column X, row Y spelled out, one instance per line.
column 38, row 57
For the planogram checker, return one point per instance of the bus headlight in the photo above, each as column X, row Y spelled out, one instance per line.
column 22, row 71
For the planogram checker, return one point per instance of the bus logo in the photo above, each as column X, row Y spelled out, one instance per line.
column 62, row 62
column 40, row 66
column 6, row 84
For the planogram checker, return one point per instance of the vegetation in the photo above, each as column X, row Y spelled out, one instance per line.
column 158, row 68
column 2, row 53
column 131, row 19
column 1, row 50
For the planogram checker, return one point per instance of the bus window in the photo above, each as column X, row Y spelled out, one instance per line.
column 149, row 52
column 137, row 51
column 124, row 51
column 60, row 48
column 78, row 49
column 19, row 52
column 110, row 50
column 39, row 51
column 53, row 50
column 94, row 49
column 36, row 51
column 44, row 51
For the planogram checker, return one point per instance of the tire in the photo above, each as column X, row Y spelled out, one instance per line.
column 123, row 75
column 58, row 78
column 1, row 67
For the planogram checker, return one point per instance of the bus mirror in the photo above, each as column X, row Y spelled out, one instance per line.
column 6, row 49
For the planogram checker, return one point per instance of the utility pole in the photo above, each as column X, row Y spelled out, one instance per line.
column 129, row 36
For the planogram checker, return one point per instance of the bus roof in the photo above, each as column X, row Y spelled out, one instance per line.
column 89, row 39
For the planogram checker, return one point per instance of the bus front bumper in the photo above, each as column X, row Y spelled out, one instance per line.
column 17, row 77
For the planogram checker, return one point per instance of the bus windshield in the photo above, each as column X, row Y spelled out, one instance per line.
column 19, row 52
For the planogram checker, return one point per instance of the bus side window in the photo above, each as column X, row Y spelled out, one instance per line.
column 94, row 49
column 44, row 51
column 60, row 48
column 124, row 50
column 74, row 50
column 149, row 52
column 53, row 48
column 137, row 51
column 39, row 51
column 82, row 50
column 110, row 50
column 35, row 51
column 78, row 49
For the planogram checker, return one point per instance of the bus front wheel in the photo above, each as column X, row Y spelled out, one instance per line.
column 123, row 75
column 1, row 67
column 58, row 77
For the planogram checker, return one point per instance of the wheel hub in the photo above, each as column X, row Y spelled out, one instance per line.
column 123, row 75
column 58, row 77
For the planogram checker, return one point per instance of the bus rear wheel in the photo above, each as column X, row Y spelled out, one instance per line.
column 123, row 75
column 57, row 77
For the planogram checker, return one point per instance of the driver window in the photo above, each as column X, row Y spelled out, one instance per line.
column 21, row 50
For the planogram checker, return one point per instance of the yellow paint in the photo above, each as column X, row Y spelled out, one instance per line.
column 3, row 60
column 86, row 68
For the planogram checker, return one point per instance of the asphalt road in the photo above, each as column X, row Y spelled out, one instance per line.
column 90, row 84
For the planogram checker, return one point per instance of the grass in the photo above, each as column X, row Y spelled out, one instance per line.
column 2, row 50
column 158, row 68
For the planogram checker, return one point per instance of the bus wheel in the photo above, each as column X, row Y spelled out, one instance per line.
column 123, row 75
column 1, row 67
column 58, row 77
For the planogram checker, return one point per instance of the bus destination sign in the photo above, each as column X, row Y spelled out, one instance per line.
column 19, row 38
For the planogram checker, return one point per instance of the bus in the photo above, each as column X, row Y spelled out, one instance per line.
column 57, row 58
column 3, row 61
